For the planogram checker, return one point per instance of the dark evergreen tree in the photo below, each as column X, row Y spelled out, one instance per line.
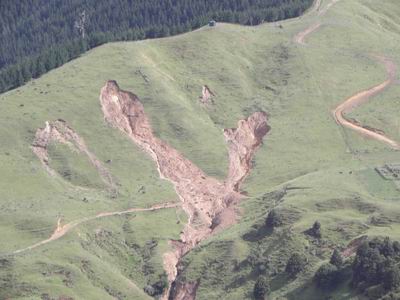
column 336, row 259
column 315, row 230
column 387, row 248
column 391, row 279
column 2, row 85
column 396, row 247
column 274, row 219
column 327, row 276
column 296, row 264
column 366, row 265
column 376, row 263
column 261, row 288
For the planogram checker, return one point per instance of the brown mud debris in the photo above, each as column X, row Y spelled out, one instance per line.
column 209, row 203
column 183, row 290
column 59, row 132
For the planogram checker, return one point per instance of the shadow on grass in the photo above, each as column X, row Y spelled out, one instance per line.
column 257, row 233
column 340, row 291
column 279, row 281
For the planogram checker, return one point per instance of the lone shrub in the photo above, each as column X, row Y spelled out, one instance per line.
column 315, row 230
column 336, row 259
column 296, row 264
column 274, row 219
column 327, row 276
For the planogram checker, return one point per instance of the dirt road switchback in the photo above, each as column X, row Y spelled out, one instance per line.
column 362, row 97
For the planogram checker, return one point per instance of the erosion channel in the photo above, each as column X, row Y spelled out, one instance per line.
column 209, row 203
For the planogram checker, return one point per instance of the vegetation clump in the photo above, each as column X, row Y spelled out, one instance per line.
column 274, row 219
column 336, row 259
column 261, row 288
column 296, row 264
column 315, row 230
column 327, row 276
column 376, row 264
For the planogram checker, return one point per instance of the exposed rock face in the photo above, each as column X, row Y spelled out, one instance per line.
column 207, row 95
column 209, row 203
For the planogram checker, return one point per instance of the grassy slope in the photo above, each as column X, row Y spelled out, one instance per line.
column 240, row 64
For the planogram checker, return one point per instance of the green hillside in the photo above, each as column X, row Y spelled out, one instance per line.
column 308, row 167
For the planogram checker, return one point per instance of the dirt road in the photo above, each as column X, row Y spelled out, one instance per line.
column 362, row 97
column 359, row 98
column 302, row 35
column 62, row 230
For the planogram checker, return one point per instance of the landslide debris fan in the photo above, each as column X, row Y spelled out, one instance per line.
column 209, row 203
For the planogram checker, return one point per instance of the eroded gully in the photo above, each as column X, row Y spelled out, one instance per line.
column 209, row 203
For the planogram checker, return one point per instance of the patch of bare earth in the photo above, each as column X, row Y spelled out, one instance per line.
column 206, row 95
column 353, row 246
column 59, row 132
column 209, row 203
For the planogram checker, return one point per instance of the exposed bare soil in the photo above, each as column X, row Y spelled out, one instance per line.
column 62, row 230
column 209, row 203
column 207, row 95
column 59, row 132
column 362, row 97
column 353, row 246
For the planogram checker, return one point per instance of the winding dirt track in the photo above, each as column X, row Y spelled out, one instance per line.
column 362, row 97
column 302, row 35
column 359, row 98
column 62, row 230
column 209, row 203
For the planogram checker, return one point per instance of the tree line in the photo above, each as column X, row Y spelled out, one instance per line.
column 40, row 35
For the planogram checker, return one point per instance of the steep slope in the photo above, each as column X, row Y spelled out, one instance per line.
column 310, row 168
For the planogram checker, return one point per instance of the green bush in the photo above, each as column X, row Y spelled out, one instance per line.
column 296, row 264
column 327, row 276
column 261, row 288
column 315, row 230
column 336, row 259
column 391, row 279
column 274, row 219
